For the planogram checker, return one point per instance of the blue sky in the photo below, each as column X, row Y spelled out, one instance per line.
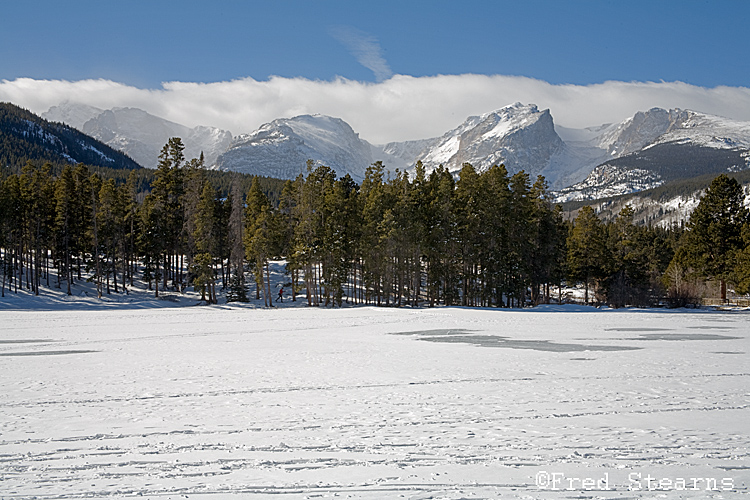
column 590, row 62
column 581, row 42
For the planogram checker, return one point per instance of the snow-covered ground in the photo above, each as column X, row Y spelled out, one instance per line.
column 133, row 399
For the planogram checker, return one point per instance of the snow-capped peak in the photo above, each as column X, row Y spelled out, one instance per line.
column 658, row 126
column 282, row 147
column 140, row 134
column 519, row 135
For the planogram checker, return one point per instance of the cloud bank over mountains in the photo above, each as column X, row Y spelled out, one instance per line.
column 398, row 108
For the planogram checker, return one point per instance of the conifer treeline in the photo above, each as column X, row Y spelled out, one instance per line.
column 477, row 239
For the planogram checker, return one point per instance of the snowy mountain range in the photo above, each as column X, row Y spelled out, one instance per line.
column 644, row 151
column 659, row 146
column 139, row 134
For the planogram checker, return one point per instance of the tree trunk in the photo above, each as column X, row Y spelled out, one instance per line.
column 268, row 280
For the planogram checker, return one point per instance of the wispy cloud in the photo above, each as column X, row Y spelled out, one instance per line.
column 365, row 48
column 399, row 108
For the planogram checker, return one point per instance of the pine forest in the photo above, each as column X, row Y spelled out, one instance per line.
column 488, row 239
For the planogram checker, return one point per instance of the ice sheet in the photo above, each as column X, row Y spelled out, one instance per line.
column 230, row 402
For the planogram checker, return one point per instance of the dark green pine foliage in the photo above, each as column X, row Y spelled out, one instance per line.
column 64, row 220
column 714, row 233
column 205, row 235
column 339, row 234
column 469, row 228
column 258, row 240
column 237, row 290
column 547, row 248
column 495, row 252
column 168, row 189
column 372, row 246
column 111, row 212
column 628, row 282
column 588, row 254
column 440, row 244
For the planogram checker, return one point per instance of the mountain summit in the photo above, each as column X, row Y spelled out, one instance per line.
column 281, row 149
column 520, row 136
column 139, row 134
column 658, row 146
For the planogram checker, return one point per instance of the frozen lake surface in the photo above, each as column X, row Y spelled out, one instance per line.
column 230, row 402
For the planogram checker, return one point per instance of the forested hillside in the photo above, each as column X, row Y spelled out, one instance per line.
column 27, row 137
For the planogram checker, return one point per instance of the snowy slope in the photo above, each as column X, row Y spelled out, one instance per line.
column 706, row 130
column 658, row 126
column 281, row 149
column 73, row 114
column 31, row 137
column 139, row 134
column 609, row 180
column 658, row 146
column 520, row 136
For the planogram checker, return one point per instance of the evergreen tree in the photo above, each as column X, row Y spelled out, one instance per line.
column 258, row 239
column 11, row 223
column 588, row 257
column 521, row 238
column 151, row 240
column 132, row 227
column 628, row 281
column 237, row 291
column 168, row 189
column 338, row 237
column 374, row 228
column 440, row 250
column 547, row 249
column 205, row 234
column 469, row 231
column 195, row 180
column 111, row 224
column 714, row 231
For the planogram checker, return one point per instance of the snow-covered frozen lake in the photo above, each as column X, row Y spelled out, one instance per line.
column 223, row 402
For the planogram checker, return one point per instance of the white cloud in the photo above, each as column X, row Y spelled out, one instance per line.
column 365, row 48
column 399, row 108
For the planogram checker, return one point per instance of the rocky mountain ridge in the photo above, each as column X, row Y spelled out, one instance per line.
column 642, row 151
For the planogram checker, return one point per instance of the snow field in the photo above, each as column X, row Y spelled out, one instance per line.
column 231, row 402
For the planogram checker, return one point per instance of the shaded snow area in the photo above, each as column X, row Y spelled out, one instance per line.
column 236, row 402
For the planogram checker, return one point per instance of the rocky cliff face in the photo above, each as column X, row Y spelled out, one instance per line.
column 633, row 134
column 520, row 136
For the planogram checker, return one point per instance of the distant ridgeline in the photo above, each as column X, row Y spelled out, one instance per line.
column 25, row 137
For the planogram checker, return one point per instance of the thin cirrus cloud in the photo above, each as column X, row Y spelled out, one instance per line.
column 365, row 48
column 399, row 108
